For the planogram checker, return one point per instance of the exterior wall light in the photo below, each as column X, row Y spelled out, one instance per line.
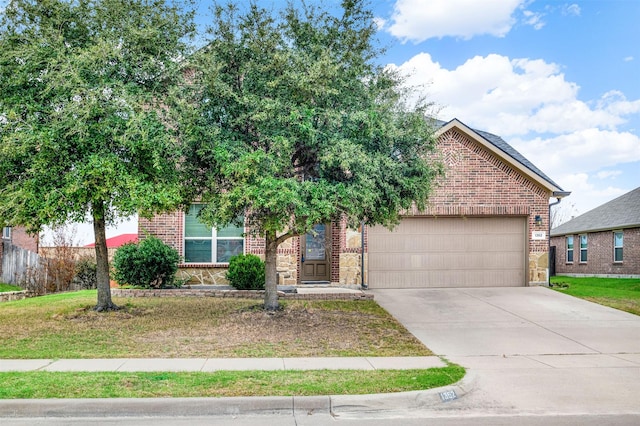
column 538, row 220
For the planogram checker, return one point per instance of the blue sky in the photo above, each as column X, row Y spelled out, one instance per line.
column 559, row 81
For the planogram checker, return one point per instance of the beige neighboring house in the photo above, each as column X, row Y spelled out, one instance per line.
column 602, row 242
column 486, row 225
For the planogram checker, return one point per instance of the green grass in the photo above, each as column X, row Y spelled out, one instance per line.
column 9, row 287
column 619, row 293
column 224, row 383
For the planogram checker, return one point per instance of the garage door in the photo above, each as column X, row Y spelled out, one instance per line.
column 448, row 252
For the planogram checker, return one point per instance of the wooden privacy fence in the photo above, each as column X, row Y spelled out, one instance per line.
column 18, row 263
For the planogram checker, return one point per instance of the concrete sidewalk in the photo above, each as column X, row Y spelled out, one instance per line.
column 221, row 364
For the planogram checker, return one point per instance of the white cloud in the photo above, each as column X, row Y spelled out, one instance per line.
column 534, row 19
column 606, row 174
column 587, row 150
column 628, row 58
column 515, row 97
column 380, row 23
column 571, row 10
column 585, row 195
column 419, row 20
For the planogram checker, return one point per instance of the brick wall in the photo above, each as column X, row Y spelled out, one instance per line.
column 478, row 183
column 75, row 252
column 599, row 254
column 167, row 227
column 20, row 238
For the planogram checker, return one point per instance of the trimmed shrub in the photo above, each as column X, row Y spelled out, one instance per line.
column 147, row 264
column 246, row 272
column 85, row 273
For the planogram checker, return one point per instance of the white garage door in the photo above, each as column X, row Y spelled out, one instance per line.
column 448, row 252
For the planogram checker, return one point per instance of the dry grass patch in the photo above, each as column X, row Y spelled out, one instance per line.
column 64, row 326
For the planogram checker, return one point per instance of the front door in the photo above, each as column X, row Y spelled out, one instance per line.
column 315, row 258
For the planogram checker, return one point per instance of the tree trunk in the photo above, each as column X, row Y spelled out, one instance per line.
column 102, row 260
column 271, row 274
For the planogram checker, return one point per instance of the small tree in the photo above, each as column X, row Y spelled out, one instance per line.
column 85, row 273
column 292, row 124
column 60, row 260
column 85, row 87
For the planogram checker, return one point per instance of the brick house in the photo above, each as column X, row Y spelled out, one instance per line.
column 602, row 242
column 486, row 225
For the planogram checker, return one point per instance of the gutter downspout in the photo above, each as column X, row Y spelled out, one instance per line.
column 559, row 196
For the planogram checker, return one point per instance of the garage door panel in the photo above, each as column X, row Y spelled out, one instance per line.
column 461, row 261
column 448, row 252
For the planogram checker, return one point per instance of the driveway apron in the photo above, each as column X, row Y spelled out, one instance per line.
column 527, row 350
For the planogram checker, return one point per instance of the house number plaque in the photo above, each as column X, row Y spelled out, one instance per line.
column 538, row 235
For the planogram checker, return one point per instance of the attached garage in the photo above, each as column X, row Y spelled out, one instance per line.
column 449, row 252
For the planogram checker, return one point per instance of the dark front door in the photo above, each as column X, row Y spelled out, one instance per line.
column 315, row 258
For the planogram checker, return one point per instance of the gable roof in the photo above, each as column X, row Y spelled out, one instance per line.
column 622, row 212
column 118, row 240
column 502, row 149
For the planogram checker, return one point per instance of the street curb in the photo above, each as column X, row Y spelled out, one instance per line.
column 336, row 405
column 158, row 407
column 401, row 403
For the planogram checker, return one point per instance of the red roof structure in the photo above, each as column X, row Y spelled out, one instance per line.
column 118, row 240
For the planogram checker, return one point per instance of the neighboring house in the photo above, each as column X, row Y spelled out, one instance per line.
column 486, row 225
column 118, row 240
column 14, row 240
column 602, row 242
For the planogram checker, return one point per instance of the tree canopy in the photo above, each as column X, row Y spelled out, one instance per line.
column 86, row 87
column 290, row 123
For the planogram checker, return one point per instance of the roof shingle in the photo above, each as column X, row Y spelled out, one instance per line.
column 622, row 212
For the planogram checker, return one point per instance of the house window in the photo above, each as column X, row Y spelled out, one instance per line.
column 583, row 248
column 6, row 233
column 570, row 249
column 203, row 244
column 618, row 241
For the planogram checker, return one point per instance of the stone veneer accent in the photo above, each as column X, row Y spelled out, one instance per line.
column 201, row 275
column 10, row 296
column 538, row 268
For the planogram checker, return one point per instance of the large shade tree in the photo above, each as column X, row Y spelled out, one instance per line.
column 85, row 87
column 294, row 124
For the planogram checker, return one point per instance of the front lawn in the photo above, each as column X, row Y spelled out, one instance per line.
column 619, row 293
column 65, row 326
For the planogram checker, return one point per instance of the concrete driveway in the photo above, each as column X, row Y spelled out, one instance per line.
column 527, row 350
